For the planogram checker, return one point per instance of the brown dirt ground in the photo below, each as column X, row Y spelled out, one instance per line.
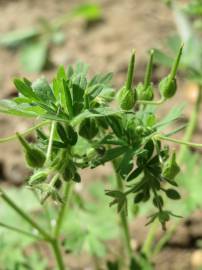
column 105, row 47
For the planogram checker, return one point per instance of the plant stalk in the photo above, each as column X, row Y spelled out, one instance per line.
column 123, row 218
column 192, row 124
column 17, row 230
column 24, row 215
column 147, row 248
column 26, row 132
column 50, row 143
column 60, row 218
column 57, row 253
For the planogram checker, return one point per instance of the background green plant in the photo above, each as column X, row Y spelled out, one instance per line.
column 34, row 44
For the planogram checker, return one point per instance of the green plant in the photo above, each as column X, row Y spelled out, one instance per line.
column 35, row 43
column 187, row 19
column 86, row 132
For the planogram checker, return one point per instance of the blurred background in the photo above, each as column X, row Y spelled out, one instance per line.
column 37, row 36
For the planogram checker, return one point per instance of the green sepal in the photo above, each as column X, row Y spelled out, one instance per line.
column 168, row 86
column 34, row 156
column 126, row 98
column 171, row 168
column 38, row 178
column 145, row 93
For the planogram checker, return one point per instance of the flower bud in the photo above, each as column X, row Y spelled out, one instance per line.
column 168, row 85
column 144, row 93
column 34, row 156
column 127, row 96
column 171, row 168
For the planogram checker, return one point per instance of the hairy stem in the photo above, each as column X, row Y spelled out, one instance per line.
column 148, row 243
column 26, row 132
column 191, row 125
column 166, row 237
column 57, row 253
column 17, row 230
column 123, row 218
column 50, row 143
column 67, row 194
column 147, row 248
column 24, row 215
column 186, row 143
column 151, row 102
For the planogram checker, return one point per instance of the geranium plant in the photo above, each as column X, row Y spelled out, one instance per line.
column 77, row 128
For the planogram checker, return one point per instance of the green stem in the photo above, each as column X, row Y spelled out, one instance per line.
column 20, row 231
column 150, row 102
column 148, row 243
column 191, row 144
column 176, row 63
column 191, row 125
column 130, row 71
column 63, row 209
column 123, row 218
column 162, row 242
column 187, row 137
column 50, row 143
column 24, row 215
column 58, row 256
column 148, row 73
column 26, row 132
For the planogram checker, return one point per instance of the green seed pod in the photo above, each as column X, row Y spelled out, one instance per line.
column 171, row 168
column 34, row 156
column 91, row 153
column 88, row 128
column 38, row 177
column 168, row 85
column 127, row 96
column 144, row 93
column 139, row 130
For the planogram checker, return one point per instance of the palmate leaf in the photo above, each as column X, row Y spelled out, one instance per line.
column 98, row 112
column 101, row 79
column 25, row 89
column 10, row 107
column 80, row 69
column 24, row 110
column 43, row 91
